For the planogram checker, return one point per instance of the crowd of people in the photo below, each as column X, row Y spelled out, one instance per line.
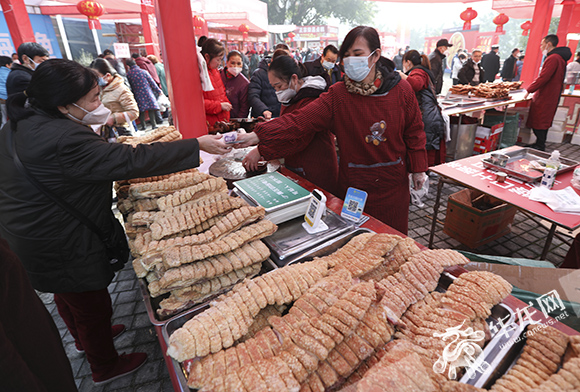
column 347, row 117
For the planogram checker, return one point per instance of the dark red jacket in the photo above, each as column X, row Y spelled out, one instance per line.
column 213, row 99
column 147, row 65
column 547, row 89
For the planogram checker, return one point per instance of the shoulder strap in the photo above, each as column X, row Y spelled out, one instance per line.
column 60, row 202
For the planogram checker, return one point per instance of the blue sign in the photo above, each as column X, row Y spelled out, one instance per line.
column 43, row 32
column 354, row 204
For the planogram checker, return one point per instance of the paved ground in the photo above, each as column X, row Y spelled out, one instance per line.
column 525, row 240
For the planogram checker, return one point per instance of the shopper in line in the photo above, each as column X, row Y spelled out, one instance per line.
column 146, row 93
column 520, row 66
column 377, row 122
column 490, row 63
column 457, row 65
column 5, row 64
column 117, row 98
column 547, row 89
column 160, row 69
column 510, row 68
column 472, row 72
column 117, row 64
column 261, row 94
column 236, row 85
column 145, row 64
column 31, row 55
column 33, row 359
column 418, row 74
column 572, row 69
column 316, row 160
column 48, row 129
column 326, row 66
column 217, row 105
column 437, row 61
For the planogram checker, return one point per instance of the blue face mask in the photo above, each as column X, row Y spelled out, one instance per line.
column 102, row 82
column 357, row 68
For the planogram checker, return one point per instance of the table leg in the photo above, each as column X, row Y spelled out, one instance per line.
column 548, row 241
column 504, row 117
column 435, row 211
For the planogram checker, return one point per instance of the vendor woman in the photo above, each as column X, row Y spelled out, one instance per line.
column 49, row 130
column 377, row 122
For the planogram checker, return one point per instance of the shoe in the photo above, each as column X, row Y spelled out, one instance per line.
column 117, row 330
column 126, row 364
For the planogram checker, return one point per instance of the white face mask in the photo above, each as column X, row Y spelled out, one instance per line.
column 235, row 71
column 545, row 52
column 357, row 68
column 99, row 116
column 328, row 65
column 33, row 65
column 284, row 96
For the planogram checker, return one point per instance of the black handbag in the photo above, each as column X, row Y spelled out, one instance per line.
column 115, row 242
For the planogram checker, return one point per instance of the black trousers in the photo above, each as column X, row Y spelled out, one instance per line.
column 152, row 117
column 541, row 135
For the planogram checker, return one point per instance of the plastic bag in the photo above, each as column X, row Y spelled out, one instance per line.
column 447, row 123
column 575, row 182
column 203, row 72
column 417, row 196
column 163, row 102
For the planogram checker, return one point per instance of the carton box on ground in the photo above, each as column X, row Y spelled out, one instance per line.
column 526, row 136
column 474, row 225
column 561, row 114
column 576, row 138
column 487, row 139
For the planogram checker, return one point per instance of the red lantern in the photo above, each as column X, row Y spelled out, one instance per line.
column 467, row 16
column 291, row 35
column 500, row 20
column 198, row 22
column 92, row 10
column 243, row 28
column 526, row 26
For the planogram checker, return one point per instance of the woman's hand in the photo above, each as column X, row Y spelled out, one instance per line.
column 419, row 180
column 403, row 75
column 111, row 120
column 267, row 114
column 226, row 106
column 213, row 144
column 251, row 160
column 246, row 140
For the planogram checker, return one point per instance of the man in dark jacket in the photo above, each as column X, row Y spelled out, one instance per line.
column 472, row 72
column 547, row 89
column 30, row 55
column 325, row 66
column 437, row 60
column 398, row 60
column 261, row 95
column 510, row 68
column 490, row 63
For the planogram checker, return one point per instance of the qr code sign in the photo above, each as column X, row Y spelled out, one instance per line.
column 352, row 206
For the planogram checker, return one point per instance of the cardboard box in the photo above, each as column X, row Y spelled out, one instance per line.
column 555, row 136
column 472, row 226
column 526, row 136
column 487, row 139
column 576, row 138
column 535, row 279
column 561, row 114
column 558, row 126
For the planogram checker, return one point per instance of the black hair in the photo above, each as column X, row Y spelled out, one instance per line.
column 515, row 50
column 332, row 49
column 553, row 39
column 213, row 48
column 54, row 83
column 31, row 49
column 103, row 66
column 369, row 34
column 283, row 67
column 281, row 46
column 417, row 59
column 135, row 55
column 130, row 62
column 108, row 52
column 522, row 57
column 201, row 40
column 462, row 55
column 279, row 52
column 234, row 53
column 5, row 60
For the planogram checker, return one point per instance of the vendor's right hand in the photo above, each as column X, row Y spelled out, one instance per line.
column 251, row 160
column 213, row 144
column 246, row 140
column 267, row 114
column 226, row 106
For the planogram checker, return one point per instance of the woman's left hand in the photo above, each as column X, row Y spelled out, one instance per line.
column 110, row 121
column 403, row 75
column 251, row 160
column 418, row 180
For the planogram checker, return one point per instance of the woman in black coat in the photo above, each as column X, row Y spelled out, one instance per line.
column 49, row 130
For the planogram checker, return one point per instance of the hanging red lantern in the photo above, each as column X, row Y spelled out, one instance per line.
column 500, row 20
column 243, row 28
column 198, row 22
column 467, row 16
column 92, row 10
column 291, row 35
column 526, row 26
